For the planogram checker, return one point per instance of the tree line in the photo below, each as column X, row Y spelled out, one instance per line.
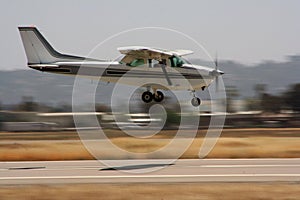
column 266, row 102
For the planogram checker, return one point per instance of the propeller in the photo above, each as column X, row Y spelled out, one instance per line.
column 216, row 61
column 217, row 72
column 216, row 69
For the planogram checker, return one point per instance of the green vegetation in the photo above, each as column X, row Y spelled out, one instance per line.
column 288, row 100
column 173, row 118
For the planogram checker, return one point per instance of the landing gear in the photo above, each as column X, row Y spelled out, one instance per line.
column 147, row 97
column 157, row 96
column 195, row 100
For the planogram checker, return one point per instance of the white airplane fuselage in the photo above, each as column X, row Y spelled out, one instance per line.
column 43, row 57
column 187, row 77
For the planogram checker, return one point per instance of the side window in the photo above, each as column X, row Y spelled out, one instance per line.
column 137, row 62
column 176, row 61
column 180, row 63
column 173, row 61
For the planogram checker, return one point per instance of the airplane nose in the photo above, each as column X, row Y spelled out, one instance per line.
column 220, row 72
column 216, row 73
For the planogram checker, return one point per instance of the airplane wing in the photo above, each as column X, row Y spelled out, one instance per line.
column 139, row 52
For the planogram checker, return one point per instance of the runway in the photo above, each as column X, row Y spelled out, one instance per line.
column 146, row 171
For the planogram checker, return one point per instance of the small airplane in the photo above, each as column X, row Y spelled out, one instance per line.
column 156, row 67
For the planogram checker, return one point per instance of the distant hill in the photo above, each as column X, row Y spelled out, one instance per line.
column 53, row 88
column 276, row 75
column 43, row 87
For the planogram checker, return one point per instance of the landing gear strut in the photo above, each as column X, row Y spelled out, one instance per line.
column 157, row 96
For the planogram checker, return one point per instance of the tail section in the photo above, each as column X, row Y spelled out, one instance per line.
column 38, row 50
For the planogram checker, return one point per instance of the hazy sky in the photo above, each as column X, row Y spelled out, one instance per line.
column 247, row 31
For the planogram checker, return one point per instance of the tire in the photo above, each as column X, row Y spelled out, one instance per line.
column 159, row 96
column 147, row 97
column 196, row 101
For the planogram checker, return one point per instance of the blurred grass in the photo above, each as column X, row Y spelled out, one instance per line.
column 43, row 151
column 112, row 133
column 188, row 191
column 248, row 143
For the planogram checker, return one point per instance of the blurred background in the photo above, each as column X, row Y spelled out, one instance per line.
column 264, row 95
column 256, row 41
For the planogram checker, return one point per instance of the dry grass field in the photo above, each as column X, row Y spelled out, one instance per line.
column 233, row 143
column 187, row 191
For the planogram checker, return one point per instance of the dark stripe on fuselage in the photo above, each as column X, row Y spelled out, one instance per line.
column 117, row 73
column 135, row 73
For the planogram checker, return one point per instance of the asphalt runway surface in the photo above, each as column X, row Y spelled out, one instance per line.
column 146, row 171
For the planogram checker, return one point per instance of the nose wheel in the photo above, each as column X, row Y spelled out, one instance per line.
column 195, row 100
column 157, row 96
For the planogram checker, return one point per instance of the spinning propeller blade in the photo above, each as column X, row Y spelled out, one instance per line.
column 216, row 61
column 217, row 73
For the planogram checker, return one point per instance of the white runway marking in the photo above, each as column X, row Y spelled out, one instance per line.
column 194, row 170
column 152, row 176
column 244, row 166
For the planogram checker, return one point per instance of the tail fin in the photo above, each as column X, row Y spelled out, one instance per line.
column 38, row 50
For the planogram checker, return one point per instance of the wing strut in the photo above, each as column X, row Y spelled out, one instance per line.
column 163, row 65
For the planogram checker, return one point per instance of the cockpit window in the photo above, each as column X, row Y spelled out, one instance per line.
column 137, row 62
column 176, row 61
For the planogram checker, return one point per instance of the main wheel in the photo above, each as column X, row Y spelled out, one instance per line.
column 147, row 97
column 159, row 96
column 195, row 101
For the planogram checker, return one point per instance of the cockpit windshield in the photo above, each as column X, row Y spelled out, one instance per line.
column 177, row 61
